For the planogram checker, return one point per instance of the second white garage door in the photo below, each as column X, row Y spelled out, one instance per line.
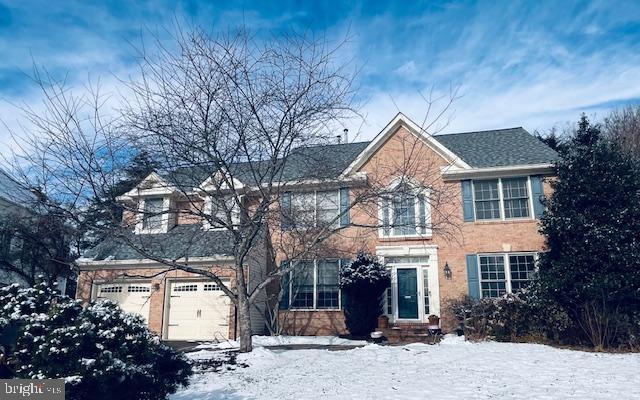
column 197, row 310
column 132, row 297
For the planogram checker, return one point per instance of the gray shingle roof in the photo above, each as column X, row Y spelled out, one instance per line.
column 321, row 162
column 313, row 162
column 181, row 241
column 13, row 192
column 498, row 148
column 494, row 148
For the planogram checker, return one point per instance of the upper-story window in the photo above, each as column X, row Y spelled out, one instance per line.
column 317, row 208
column 405, row 213
column 506, row 198
column 153, row 214
column 221, row 209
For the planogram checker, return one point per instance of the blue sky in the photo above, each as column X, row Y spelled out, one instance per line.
column 534, row 64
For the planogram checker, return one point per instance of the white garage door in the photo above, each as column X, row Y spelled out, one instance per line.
column 197, row 311
column 132, row 297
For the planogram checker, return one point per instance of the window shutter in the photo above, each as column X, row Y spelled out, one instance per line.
column 285, row 206
column 284, row 281
column 343, row 295
column 422, row 213
column 467, row 201
column 473, row 279
column 344, row 207
column 537, row 194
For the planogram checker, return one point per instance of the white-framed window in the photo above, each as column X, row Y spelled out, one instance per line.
column 502, row 198
column 388, row 302
column 315, row 208
column 505, row 273
column 315, row 285
column 152, row 213
column 220, row 207
column 425, row 286
column 405, row 213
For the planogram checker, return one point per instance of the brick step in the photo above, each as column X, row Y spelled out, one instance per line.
column 413, row 334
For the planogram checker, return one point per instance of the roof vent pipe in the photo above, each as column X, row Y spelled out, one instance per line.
column 338, row 139
column 346, row 135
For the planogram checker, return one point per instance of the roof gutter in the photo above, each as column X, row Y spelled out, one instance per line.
column 86, row 264
column 499, row 172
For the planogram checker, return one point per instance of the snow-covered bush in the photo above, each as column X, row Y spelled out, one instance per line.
column 363, row 282
column 518, row 316
column 100, row 351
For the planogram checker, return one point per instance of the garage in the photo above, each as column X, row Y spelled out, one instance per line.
column 132, row 297
column 197, row 310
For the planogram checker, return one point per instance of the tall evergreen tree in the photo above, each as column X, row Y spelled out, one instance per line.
column 592, row 225
column 105, row 210
column 552, row 139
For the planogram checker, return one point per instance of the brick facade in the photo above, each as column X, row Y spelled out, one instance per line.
column 453, row 237
column 403, row 153
column 159, row 283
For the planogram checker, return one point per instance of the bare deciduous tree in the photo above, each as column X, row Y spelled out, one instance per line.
column 623, row 126
column 226, row 118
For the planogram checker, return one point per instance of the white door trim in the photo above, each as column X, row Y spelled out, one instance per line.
column 430, row 265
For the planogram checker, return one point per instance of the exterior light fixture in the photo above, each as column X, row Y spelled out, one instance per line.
column 447, row 271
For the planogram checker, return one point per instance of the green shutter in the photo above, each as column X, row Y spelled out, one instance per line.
column 344, row 207
column 467, row 201
column 284, row 282
column 473, row 279
column 537, row 193
column 285, row 208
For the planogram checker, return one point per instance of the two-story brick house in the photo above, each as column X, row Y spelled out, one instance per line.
column 468, row 224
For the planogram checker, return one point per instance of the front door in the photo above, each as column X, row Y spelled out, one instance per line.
column 407, row 293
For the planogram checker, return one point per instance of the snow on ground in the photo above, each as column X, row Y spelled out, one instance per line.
column 453, row 369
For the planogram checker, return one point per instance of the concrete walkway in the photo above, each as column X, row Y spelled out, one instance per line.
column 188, row 346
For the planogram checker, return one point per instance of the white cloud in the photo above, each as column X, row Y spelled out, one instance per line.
column 407, row 70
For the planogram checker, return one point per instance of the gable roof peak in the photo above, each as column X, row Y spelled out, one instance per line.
column 399, row 120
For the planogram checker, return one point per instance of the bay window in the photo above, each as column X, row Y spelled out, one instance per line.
column 504, row 198
column 505, row 273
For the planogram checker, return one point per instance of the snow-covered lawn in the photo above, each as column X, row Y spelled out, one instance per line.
column 453, row 369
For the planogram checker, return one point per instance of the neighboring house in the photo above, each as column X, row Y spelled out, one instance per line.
column 14, row 203
column 18, row 206
column 481, row 239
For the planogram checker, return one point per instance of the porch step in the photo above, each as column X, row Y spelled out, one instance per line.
column 411, row 333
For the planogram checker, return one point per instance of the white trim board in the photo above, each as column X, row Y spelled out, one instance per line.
column 407, row 250
column 499, row 172
column 402, row 120
column 90, row 265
